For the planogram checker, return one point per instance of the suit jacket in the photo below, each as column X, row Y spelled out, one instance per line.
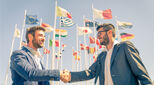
column 25, row 71
column 126, row 67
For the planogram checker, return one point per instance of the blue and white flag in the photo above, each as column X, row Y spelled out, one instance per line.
column 32, row 19
column 66, row 22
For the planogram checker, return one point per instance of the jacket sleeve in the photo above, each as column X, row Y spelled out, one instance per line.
column 22, row 67
column 86, row 74
column 136, row 64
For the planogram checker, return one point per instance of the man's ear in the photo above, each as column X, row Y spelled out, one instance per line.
column 110, row 32
column 30, row 37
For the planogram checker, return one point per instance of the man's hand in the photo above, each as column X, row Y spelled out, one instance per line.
column 65, row 76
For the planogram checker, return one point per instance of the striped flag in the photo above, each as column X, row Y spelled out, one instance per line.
column 47, row 27
column 66, row 22
column 60, row 32
column 61, row 12
column 126, row 36
column 124, row 25
column 103, row 14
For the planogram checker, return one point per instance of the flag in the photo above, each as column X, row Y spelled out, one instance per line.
column 92, row 40
column 75, row 54
column 60, row 32
column 89, row 23
column 124, row 25
column 61, row 12
column 50, row 42
column 31, row 19
column 66, row 22
column 91, row 50
column 46, row 51
column 47, row 27
column 126, row 36
column 84, row 30
column 83, row 47
column 56, row 43
column 103, row 14
column 17, row 33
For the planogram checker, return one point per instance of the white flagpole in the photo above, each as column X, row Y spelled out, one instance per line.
column 6, row 77
column 53, row 47
column 77, row 45
column 23, row 28
column 119, row 39
column 41, row 21
column 48, row 54
column 94, row 31
column 85, row 54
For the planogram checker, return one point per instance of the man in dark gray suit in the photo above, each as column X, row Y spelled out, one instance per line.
column 120, row 64
column 26, row 67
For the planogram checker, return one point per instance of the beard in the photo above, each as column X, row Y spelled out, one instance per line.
column 35, row 44
column 105, row 40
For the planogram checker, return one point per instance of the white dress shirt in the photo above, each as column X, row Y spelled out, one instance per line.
column 108, row 78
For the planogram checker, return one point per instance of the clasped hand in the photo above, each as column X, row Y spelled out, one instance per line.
column 65, row 76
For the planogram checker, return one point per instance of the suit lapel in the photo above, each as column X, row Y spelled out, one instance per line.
column 115, row 49
column 32, row 59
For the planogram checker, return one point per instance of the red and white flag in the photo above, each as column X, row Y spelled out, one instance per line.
column 103, row 14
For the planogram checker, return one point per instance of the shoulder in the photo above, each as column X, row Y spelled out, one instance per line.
column 129, row 46
column 100, row 55
column 126, row 44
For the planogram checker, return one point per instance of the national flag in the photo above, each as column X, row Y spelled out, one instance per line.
column 17, row 33
column 66, row 22
column 95, row 57
column 47, row 27
column 124, row 25
column 50, row 42
column 89, row 23
column 31, row 19
column 103, row 14
column 84, row 30
column 126, row 36
column 56, row 43
column 60, row 32
column 75, row 54
column 46, row 51
column 83, row 47
column 92, row 40
column 61, row 12
column 91, row 50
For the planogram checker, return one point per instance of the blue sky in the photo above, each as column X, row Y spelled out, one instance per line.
column 139, row 12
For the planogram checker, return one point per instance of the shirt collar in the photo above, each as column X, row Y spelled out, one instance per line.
column 114, row 43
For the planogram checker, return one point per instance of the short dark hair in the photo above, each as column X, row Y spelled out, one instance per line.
column 32, row 30
column 106, row 27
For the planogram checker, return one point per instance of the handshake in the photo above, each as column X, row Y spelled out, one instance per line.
column 65, row 76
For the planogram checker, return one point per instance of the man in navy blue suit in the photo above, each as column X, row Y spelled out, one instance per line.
column 26, row 67
column 120, row 64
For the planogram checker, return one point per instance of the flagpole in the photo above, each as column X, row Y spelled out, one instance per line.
column 86, row 66
column 23, row 28
column 77, row 48
column 6, row 77
column 41, row 21
column 119, row 39
column 47, row 54
column 53, row 47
